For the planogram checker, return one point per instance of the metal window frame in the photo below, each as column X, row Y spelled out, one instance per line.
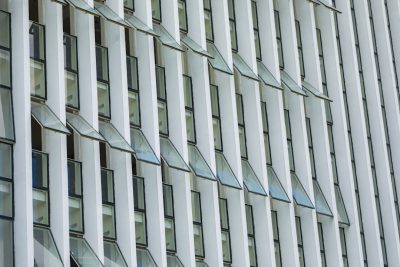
column 110, row 204
column 135, row 177
column 256, row 29
column 209, row 11
column 80, row 197
column 74, row 71
column 243, row 126
column 200, row 224
column 253, row 235
column 137, row 91
column 277, row 21
column 226, row 230
column 159, row 20
column 173, row 214
column 236, row 48
column 191, row 109
column 9, row 180
column 321, row 248
column 300, row 244
column 266, row 131
column 300, row 49
column 186, row 29
column 217, row 117
column 104, row 81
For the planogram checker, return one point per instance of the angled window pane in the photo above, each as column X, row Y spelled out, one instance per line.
column 113, row 256
column 171, row 155
column 267, row 77
column 82, row 253
column 299, row 193
column 225, row 174
column 308, row 87
column 144, row 258
column 110, row 15
column 143, row 150
column 82, row 5
column 200, row 263
column 321, row 205
column 199, row 164
column 195, row 47
column 328, row 5
column 62, row 2
column 6, row 161
column 275, row 187
column 291, row 84
column 5, row 67
column 166, row 38
column 217, row 62
column 242, row 67
column 173, row 261
column 341, row 208
column 45, row 249
column 139, row 25
column 113, row 137
column 250, row 179
column 81, row 126
column 6, row 115
column 6, row 237
column 47, row 119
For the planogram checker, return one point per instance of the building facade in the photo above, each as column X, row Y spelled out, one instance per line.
column 199, row 133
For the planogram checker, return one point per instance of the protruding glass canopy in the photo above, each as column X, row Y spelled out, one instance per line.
column 166, row 38
column 321, row 205
column 81, row 126
column 275, row 187
column 171, row 155
column 47, row 119
column 291, row 84
column 299, row 193
column 195, row 47
column 250, row 179
column 244, row 69
column 225, row 174
column 143, row 150
column 267, row 77
column 199, row 164
column 217, row 62
column 113, row 137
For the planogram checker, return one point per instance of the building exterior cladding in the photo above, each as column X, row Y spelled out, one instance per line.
column 199, row 133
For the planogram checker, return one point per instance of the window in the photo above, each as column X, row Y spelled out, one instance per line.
column 289, row 140
column 71, row 71
column 103, row 85
column 162, row 100
column 197, row 225
column 300, row 242
column 189, row 109
column 232, row 24
column 108, row 200
column 225, row 236
column 343, row 246
column 169, row 218
column 208, row 20
column 279, row 38
column 40, row 184
column 300, row 49
column 242, row 128
column 129, row 5
column 133, row 90
column 183, row 26
column 75, row 196
column 140, row 211
column 6, row 204
column 38, row 60
column 321, row 244
column 267, row 146
column 156, row 9
column 256, row 29
column 216, row 117
column 251, row 236
column 277, row 245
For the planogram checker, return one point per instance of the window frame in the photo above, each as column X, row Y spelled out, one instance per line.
column 226, row 230
column 277, row 21
column 209, row 11
column 256, row 29
column 322, row 244
column 136, row 91
column 300, row 49
column 44, row 188
column 191, row 109
column 110, row 204
column 266, row 132
column 169, row 216
column 78, row 196
column 40, row 60
column 130, row 9
column 217, row 117
column 74, row 71
column 11, row 181
column 143, row 211
column 105, row 82
column 253, row 235
column 163, row 100
column 300, row 244
column 186, row 29
column 157, row 20
column 242, row 126
column 289, row 138
column 274, row 217
column 233, row 20
column 202, row 257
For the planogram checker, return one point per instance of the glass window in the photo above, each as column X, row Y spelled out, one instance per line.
column 321, row 244
column 143, row 150
column 300, row 242
column 45, row 249
column 190, row 120
column 75, row 196
column 171, row 155
column 251, row 180
column 38, row 60
column 5, row 50
column 242, row 131
column 208, row 20
column 134, row 109
column 71, row 71
column 279, row 38
column 103, row 90
column 251, row 236
column 81, row 126
column 156, row 9
column 107, row 188
column 225, row 174
column 132, row 70
column 277, row 246
column 6, row 115
column 300, row 49
column 197, row 224
column 169, row 218
column 40, row 192
column 113, row 255
column 299, row 193
column 82, row 253
column 129, row 4
column 275, row 187
column 113, row 137
column 216, row 117
column 199, row 164
column 162, row 100
column 144, row 258
column 225, row 236
column 232, row 24
column 256, row 29
column 6, row 161
column 140, row 211
column 6, row 242
column 182, row 15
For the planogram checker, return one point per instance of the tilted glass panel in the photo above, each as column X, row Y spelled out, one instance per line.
column 308, row 87
column 173, row 261
column 166, row 38
column 71, row 89
column 169, row 234
column 217, row 134
column 113, row 256
column 195, row 47
column 81, row 126
column 139, row 25
column 321, row 205
column 341, row 208
column 162, row 117
column 82, row 5
column 47, row 119
column 103, row 98
column 243, row 68
column 113, row 137
column 198, row 240
column 328, row 5
column 45, row 249
column 196, row 206
column 267, row 77
column 250, row 179
column 299, row 193
column 5, row 67
column 171, row 155
column 200, row 263
column 6, row 115
column 291, row 84
column 6, row 161
column 110, row 15
column 217, row 62
column 275, row 187
column 199, row 164
column 6, row 243
column 142, row 148
column 82, row 253
column 225, row 174
column 144, row 258
column 190, row 126
column 37, row 62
